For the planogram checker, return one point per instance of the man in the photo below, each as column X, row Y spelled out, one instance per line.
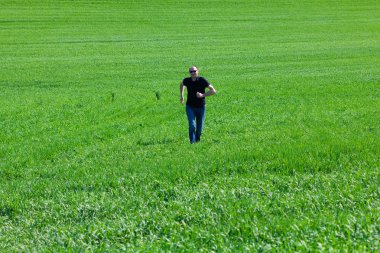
column 195, row 103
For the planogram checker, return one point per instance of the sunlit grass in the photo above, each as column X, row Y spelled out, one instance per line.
column 94, row 153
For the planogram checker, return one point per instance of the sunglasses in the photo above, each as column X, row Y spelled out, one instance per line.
column 193, row 71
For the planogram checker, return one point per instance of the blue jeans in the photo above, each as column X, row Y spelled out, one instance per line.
column 196, row 118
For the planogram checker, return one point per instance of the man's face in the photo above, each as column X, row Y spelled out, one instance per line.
column 193, row 72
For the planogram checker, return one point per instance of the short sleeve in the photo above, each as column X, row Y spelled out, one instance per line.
column 205, row 82
column 184, row 82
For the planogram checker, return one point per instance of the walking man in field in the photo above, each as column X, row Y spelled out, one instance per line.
column 195, row 103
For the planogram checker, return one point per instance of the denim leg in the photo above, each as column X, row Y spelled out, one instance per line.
column 191, row 119
column 200, row 118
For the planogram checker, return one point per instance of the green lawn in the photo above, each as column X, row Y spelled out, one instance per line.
column 94, row 150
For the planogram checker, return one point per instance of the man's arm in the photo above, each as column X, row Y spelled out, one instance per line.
column 211, row 91
column 181, row 91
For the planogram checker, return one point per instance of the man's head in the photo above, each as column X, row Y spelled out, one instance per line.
column 193, row 70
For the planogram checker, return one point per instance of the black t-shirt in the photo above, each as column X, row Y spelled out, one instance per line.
column 199, row 85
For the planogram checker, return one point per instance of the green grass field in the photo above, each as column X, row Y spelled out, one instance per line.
column 94, row 150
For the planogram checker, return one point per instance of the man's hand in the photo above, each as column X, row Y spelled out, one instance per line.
column 182, row 100
column 211, row 92
column 200, row 95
